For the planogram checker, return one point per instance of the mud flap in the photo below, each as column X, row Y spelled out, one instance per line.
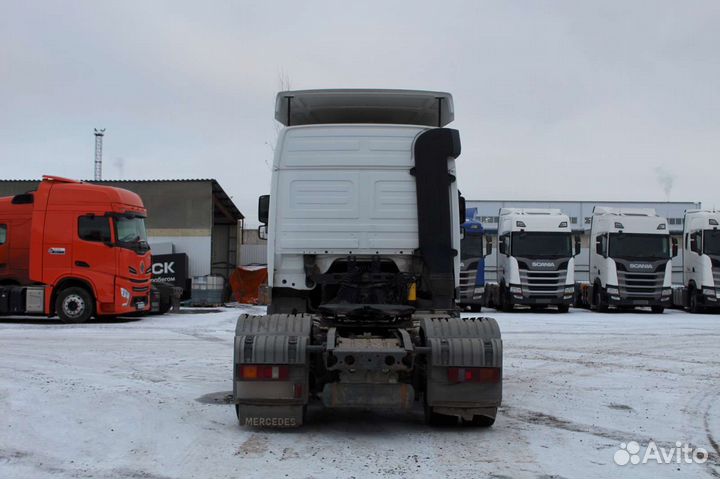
column 275, row 340
column 459, row 344
column 270, row 416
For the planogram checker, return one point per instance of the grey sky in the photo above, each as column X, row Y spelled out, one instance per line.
column 554, row 100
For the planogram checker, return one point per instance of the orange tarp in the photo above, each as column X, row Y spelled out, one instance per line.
column 245, row 284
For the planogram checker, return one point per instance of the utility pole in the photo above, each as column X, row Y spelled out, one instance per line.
column 98, row 153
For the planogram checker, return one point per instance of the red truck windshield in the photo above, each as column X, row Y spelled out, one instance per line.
column 130, row 233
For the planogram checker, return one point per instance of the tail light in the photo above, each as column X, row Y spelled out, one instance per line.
column 474, row 375
column 262, row 372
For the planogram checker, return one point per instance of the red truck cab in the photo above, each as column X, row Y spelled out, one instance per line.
column 74, row 249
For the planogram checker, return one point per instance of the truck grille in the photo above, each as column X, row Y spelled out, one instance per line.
column 716, row 277
column 467, row 283
column 641, row 285
column 543, row 283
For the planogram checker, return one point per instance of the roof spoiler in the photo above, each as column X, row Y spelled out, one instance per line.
column 59, row 179
column 370, row 106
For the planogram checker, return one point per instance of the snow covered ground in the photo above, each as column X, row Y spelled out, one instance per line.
column 147, row 399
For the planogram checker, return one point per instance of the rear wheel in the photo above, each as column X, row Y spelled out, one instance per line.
column 74, row 305
column 694, row 299
column 435, row 419
column 480, row 421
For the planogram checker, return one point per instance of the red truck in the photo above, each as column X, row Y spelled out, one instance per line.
column 74, row 249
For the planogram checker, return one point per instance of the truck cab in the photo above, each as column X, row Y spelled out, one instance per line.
column 473, row 250
column 535, row 259
column 701, row 259
column 74, row 249
column 630, row 259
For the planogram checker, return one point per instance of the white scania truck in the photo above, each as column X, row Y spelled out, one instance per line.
column 535, row 260
column 363, row 226
column 701, row 260
column 630, row 260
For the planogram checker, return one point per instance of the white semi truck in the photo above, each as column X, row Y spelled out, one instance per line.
column 363, row 226
column 535, row 260
column 701, row 260
column 630, row 260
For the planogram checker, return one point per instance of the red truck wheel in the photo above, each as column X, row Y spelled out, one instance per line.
column 74, row 305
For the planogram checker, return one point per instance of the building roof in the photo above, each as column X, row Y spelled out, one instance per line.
column 220, row 195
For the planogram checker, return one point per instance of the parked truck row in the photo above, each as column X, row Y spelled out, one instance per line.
column 630, row 261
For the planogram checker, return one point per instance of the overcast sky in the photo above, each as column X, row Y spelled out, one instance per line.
column 554, row 100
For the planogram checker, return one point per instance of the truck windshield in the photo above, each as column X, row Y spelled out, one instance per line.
column 639, row 246
column 130, row 233
column 471, row 246
column 541, row 245
column 711, row 243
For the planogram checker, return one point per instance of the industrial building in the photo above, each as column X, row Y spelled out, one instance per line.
column 193, row 216
column 580, row 213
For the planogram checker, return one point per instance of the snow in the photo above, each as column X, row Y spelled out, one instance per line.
column 147, row 399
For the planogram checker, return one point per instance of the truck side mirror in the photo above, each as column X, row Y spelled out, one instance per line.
column 461, row 204
column 696, row 243
column 488, row 246
column 599, row 246
column 262, row 232
column 674, row 247
column 577, row 245
column 264, row 209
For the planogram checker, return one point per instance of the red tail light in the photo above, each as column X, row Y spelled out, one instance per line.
column 262, row 372
column 474, row 375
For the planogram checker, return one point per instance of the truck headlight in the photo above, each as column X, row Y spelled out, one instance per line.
column 666, row 292
column 515, row 289
column 569, row 289
column 613, row 290
column 125, row 295
column 709, row 291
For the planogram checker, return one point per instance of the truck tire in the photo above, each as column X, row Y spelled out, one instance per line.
column 439, row 420
column 598, row 303
column 563, row 308
column 694, row 305
column 506, row 303
column 480, row 421
column 657, row 309
column 74, row 305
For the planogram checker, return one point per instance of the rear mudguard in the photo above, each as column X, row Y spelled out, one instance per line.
column 462, row 343
column 278, row 339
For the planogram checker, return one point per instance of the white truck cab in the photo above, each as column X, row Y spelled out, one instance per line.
column 343, row 187
column 630, row 259
column 701, row 259
column 535, row 258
